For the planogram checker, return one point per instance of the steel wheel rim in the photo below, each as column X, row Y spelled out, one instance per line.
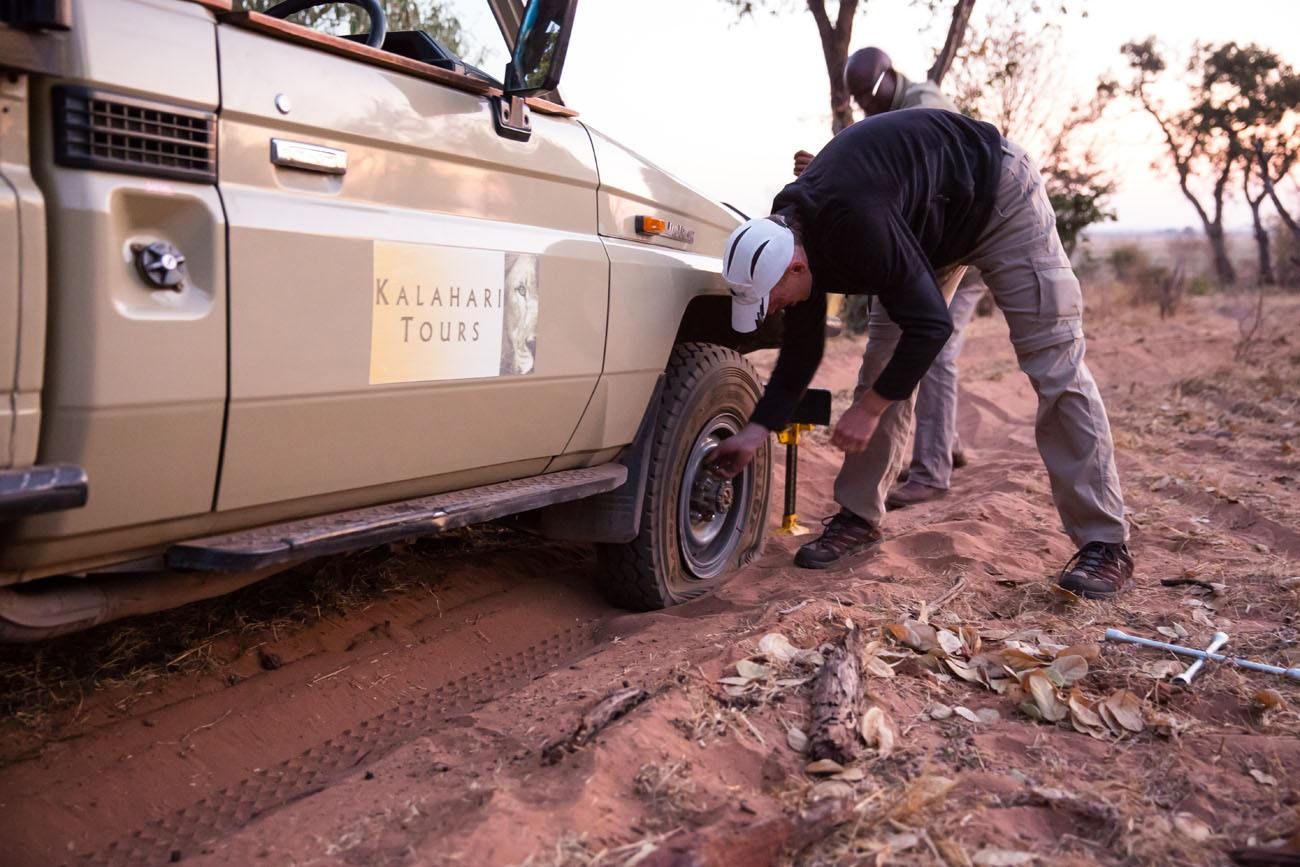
column 707, row 542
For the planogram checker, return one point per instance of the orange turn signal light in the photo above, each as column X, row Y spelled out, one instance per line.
column 650, row 226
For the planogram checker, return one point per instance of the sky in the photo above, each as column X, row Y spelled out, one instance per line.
column 724, row 103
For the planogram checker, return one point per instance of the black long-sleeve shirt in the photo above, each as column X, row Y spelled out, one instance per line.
column 884, row 204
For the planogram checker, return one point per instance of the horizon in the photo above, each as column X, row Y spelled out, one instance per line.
column 628, row 89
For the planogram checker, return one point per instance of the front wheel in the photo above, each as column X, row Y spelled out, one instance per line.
column 695, row 527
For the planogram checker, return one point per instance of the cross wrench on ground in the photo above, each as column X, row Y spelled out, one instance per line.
column 1120, row 635
column 1220, row 639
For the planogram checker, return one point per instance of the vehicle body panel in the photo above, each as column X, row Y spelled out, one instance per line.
column 135, row 378
column 22, row 281
column 425, row 167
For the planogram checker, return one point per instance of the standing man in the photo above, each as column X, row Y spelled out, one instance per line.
column 884, row 204
column 878, row 87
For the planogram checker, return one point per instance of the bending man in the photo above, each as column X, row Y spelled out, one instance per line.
column 884, row 204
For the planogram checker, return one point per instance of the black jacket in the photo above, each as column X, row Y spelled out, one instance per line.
column 885, row 203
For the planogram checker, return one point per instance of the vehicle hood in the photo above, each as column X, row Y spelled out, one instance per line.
column 632, row 186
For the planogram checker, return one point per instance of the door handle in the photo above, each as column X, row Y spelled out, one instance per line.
column 308, row 157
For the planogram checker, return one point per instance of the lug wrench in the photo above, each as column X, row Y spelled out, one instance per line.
column 1220, row 639
column 1118, row 635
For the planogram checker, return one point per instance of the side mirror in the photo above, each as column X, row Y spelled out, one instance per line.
column 540, row 46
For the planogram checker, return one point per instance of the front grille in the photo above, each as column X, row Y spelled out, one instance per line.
column 97, row 130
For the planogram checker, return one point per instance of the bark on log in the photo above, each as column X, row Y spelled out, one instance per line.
column 837, row 702
column 610, row 708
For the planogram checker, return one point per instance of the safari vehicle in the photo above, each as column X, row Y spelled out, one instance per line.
column 268, row 294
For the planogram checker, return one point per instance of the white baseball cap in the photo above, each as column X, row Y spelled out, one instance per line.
column 754, row 261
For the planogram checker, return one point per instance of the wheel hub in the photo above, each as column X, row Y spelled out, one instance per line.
column 711, row 507
column 711, row 495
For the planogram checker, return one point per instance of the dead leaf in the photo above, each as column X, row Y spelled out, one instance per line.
column 949, row 641
column 1090, row 652
column 786, row 682
column 966, row 713
column 777, row 647
column 1192, row 828
column 1082, row 716
column 809, row 658
column 1043, row 692
column 837, row 789
column 970, row 639
column 1268, row 699
column 964, row 671
column 878, row 731
column 1166, row 725
column 1167, row 631
column 824, row 766
column 939, row 711
column 1064, row 595
column 1163, row 668
column 1262, row 778
column 902, row 842
column 734, row 681
column 1018, row 660
column 796, row 738
column 751, row 670
column 1126, row 708
column 1067, row 670
column 851, row 775
column 1001, row 858
column 920, row 637
column 877, row 667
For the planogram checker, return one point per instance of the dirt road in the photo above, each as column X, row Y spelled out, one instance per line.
column 394, row 708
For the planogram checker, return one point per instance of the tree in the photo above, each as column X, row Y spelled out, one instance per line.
column 1009, row 73
column 1275, row 163
column 1235, row 91
column 431, row 16
column 835, row 38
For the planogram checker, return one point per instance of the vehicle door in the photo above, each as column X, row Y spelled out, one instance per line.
column 413, row 296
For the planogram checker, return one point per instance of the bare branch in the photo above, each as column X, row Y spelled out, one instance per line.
column 1267, row 174
column 961, row 11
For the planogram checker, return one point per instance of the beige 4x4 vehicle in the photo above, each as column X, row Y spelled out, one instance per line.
column 268, row 294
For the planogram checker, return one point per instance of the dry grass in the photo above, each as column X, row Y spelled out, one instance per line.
column 44, row 686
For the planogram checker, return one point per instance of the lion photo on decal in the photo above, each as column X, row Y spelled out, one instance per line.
column 519, row 333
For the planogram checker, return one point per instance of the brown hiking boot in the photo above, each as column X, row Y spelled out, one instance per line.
column 1100, row 570
column 846, row 535
column 911, row 494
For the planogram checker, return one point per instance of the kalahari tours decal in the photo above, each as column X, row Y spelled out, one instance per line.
column 451, row 313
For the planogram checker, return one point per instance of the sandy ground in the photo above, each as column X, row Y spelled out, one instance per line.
column 400, row 715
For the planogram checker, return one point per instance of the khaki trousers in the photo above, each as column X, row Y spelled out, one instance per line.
column 936, row 436
column 1021, row 259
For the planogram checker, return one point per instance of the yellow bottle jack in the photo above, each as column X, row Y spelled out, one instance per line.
column 814, row 409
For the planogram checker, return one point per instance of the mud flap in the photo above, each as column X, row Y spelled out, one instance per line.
column 614, row 517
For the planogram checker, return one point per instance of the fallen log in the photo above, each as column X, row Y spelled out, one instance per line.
column 608, row 709
column 835, row 732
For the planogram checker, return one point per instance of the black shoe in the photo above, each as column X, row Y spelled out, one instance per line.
column 846, row 535
column 912, row 494
column 959, row 459
column 1100, row 570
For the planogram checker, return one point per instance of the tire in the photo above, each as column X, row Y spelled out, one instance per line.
column 682, row 552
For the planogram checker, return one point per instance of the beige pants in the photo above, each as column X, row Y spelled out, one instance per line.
column 1021, row 259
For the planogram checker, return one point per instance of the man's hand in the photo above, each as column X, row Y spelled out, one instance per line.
column 735, row 452
column 855, row 428
column 801, row 161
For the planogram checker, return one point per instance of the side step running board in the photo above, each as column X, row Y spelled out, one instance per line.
column 331, row 534
column 44, row 488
